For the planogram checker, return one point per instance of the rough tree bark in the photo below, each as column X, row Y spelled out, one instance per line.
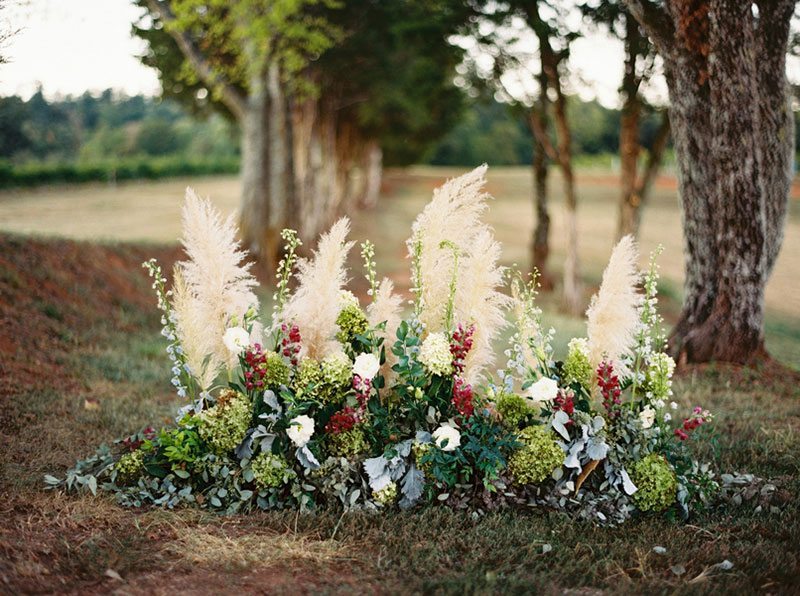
column 725, row 66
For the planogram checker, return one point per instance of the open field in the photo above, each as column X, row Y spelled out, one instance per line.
column 82, row 362
column 150, row 212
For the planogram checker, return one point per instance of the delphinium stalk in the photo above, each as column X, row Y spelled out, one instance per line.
column 530, row 332
column 368, row 254
column 650, row 336
column 451, row 296
column 181, row 376
column 417, row 283
column 284, row 273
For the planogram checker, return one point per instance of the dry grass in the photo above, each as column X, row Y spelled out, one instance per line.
column 78, row 340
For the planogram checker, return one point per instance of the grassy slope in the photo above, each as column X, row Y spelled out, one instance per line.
column 78, row 330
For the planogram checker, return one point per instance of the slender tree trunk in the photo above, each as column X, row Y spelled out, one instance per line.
column 541, row 233
column 654, row 158
column 629, row 215
column 573, row 288
column 372, row 165
column 254, row 213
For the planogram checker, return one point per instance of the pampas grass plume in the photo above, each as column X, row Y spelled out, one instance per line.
column 612, row 316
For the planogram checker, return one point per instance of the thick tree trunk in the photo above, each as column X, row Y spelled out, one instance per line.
column 729, row 123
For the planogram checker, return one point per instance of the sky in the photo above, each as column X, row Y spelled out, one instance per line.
column 71, row 46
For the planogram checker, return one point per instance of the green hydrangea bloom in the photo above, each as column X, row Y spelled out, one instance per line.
column 129, row 467
column 538, row 456
column 276, row 372
column 658, row 378
column 386, row 496
column 337, row 377
column 435, row 355
column 351, row 321
column 309, row 374
column 224, row 426
column 419, row 450
column 512, row 408
column 347, row 444
column 577, row 367
column 270, row 470
column 656, row 483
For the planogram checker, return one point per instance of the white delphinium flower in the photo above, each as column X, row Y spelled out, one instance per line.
column 447, row 437
column 300, row 430
column 366, row 366
column 434, row 354
column 543, row 390
column 667, row 417
column 236, row 339
column 647, row 417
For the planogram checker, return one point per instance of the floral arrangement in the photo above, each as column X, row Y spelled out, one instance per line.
column 331, row 402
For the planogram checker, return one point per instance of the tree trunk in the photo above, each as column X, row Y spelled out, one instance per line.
column 541, row 232
column 372, row 166
column 629, row 214
column 254, row 215
column 654, row 158
column 573, row 288
column 729, row 122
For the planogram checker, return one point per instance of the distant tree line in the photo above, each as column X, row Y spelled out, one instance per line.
column 91, row 130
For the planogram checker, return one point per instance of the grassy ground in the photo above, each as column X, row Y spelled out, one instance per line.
column 81, row 362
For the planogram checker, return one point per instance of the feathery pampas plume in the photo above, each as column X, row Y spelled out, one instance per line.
column 612, row 316
column 479, row 301
column 315, row 304
column 202, row 359
column 386, row 306
column 449, row 230
column 215, row 286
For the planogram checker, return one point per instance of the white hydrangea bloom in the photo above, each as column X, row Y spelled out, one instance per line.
column 300, row 430
column 435, row 354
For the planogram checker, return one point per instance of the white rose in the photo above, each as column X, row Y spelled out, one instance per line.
column 447, row 433
column 542, row 390
column 236, row 339
column 366, row 366
column 300, row 430
column 647, row 417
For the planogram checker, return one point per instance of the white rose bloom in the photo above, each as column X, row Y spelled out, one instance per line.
column 647, row 417
column 236, row 339
column 300, row 430
column 447, row 433
column 366, row 366
column 542, row 390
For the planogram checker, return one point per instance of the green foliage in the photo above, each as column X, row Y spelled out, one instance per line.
column 180, row 446
column 538, row 456
column 656, row 483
